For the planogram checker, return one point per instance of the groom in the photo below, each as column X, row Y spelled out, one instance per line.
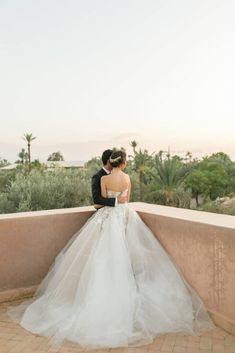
column 100, row 201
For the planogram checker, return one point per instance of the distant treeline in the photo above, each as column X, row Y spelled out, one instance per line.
column 159, row 178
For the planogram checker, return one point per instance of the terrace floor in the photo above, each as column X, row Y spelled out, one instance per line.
column 15, row 339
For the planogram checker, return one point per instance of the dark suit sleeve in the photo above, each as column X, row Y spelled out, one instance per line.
column 96, row 193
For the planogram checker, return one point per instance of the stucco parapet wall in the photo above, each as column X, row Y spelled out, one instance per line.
column 215, row 219
column 210, row 218
column 47, row 212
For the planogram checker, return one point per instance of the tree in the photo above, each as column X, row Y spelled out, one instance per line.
column 56, row 156
column 29, row 138
column 211, row 176
column 168, row 176
column 93, row 165
column 23, row 156
column 40, row 190
column 134, row 145
column 140, row 163
column 198, row 182
column 221, row 157
column 188, row 156
column 3, row 162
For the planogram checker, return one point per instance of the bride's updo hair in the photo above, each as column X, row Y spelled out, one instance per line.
column 117, row 158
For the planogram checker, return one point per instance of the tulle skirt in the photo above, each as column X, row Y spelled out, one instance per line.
column 112, row 285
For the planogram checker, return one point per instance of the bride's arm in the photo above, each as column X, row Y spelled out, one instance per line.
column 129, row 190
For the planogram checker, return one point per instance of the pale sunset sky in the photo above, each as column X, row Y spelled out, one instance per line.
column 83, row 76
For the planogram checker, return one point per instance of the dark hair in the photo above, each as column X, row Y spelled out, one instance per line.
column 105, row 156
column 118, row 157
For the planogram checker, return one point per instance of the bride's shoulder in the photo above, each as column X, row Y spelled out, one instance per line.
column 126, row 175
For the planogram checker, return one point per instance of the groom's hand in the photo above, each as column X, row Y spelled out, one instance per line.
column 98, row 206
column 122, row 199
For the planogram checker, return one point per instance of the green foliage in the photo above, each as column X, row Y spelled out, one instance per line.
column 3, row 162
column 6, row 176
column 167, row 185
column 156, row 178
column 23, row 157
column 28, row 138
column 140, row 163
column 56, row 156
column 212, row 206
column 93, row 165
column 211, row 177
column 40, row 190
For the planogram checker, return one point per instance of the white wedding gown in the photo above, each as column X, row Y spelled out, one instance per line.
column 112, row 285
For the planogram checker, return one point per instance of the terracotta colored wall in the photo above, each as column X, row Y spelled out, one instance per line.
column 29, row 242
column 201, row 244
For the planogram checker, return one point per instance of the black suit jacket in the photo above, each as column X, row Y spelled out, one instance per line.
column 96, row 190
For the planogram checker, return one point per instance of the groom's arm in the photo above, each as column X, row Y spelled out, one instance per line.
column 96, row 193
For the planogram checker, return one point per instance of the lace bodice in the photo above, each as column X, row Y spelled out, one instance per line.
column 111, row 193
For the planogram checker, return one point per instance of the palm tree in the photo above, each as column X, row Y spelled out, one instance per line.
column 29, row 138
column 140, row 163
column 169, row 175
column 134, row 145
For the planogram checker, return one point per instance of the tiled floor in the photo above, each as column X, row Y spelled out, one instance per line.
column 15, row 339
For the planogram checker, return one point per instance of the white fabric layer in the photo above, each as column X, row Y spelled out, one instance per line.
column 112, row 285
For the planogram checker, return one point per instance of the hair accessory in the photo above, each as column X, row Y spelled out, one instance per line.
column 112, row 160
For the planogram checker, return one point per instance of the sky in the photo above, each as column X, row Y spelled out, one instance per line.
column 83, row 76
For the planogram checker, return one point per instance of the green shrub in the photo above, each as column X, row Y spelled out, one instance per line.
column 43, row 190
column 214, row 207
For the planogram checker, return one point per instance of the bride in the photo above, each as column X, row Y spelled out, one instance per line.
column 113, row 284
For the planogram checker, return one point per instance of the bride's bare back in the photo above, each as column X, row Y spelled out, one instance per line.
column 116, row 181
